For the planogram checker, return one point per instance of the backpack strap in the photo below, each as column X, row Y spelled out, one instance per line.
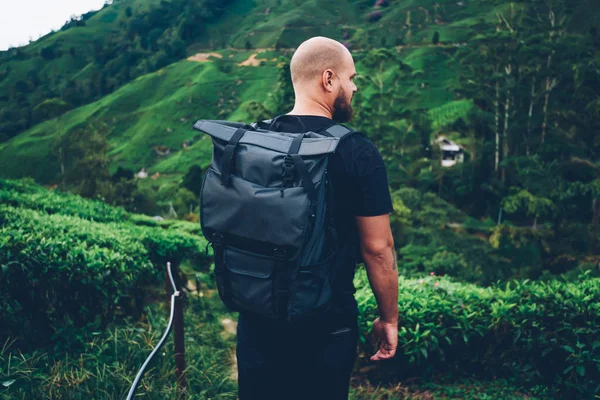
column 227, row 164
column 339, row 131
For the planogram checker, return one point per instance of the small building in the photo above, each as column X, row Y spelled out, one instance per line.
column 451, row 153
column 142, row 174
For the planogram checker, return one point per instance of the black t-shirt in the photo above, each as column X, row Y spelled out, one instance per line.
column 360, row 185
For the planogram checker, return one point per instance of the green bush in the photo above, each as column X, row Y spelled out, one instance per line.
column 538, row 332
column 62, row 273
column 27, row 194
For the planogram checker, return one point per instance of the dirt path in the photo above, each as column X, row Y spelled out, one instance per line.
column 250, row 62
column 203, row 57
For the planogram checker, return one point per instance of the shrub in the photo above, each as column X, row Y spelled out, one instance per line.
column 61, row 273
column 25, row 193
column 544, row 333
column 374, row 16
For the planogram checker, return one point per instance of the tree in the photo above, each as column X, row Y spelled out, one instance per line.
column 50, row 108
column 192, row 180
column 284, row 95
column 83, row 152
column 47, row 53
column 436, row 38
column 257, row 111
column 523, row 200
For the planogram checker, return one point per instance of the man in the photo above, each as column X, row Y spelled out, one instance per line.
column 278, row 360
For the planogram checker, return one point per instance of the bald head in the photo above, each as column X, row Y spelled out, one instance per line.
column 316, row 55
column 322, row 74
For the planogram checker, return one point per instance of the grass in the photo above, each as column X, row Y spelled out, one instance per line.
column 463, row 390
column 106, row 367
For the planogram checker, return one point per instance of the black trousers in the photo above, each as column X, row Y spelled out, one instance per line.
column 282, row 362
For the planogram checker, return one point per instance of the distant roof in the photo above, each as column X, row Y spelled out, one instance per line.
column 447, row 144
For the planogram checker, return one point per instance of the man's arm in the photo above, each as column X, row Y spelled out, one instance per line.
column 377, row 248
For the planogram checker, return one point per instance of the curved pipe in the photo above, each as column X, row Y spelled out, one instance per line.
column 138, row 377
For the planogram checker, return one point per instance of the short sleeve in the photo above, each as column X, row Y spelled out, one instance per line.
column 372, row 194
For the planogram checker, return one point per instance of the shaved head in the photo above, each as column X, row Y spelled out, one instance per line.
column 322, row 72
column 315, row 56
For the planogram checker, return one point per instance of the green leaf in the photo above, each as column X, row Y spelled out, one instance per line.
column 423, row 351
column 581, row 370
column 569, row 349
column 569, row 368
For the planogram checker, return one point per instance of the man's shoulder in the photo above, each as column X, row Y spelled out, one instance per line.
column 356, row 144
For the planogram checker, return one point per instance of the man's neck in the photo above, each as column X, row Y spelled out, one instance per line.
column 311, row 108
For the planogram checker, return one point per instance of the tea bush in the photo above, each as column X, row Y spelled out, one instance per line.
column 61, row 273
column 27, row 194
column 544, row 332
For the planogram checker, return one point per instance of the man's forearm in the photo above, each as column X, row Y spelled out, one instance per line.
column 383, row 277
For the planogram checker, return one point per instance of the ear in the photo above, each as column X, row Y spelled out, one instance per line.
column 328, row 80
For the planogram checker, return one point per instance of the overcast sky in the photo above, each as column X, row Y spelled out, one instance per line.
column 24, row 19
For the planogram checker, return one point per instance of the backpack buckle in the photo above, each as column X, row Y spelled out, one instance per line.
column 287, row 177
column 288, row 169
column 280, row 253
column 218, row 238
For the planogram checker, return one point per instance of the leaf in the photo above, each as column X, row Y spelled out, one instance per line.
column 8, row 383
column 570, row 367
column 569, row 349
column 423, row 351
column 581, row 370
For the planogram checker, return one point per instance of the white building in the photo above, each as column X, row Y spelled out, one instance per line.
column 451, row 152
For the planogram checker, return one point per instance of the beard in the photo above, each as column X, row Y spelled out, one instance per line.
column 342, row 109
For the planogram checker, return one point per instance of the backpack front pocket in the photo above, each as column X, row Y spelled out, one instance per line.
column 249, row 282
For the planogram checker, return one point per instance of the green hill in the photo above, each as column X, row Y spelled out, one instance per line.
column 156, row 109
column 93, row 56
column 514, row 83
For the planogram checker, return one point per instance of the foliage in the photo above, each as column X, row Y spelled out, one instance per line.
column 62, row 274
column 464, row 389
column 449, row 113
column 27, row 194
column 139, row 42
column 105, row 366
column 538, row 333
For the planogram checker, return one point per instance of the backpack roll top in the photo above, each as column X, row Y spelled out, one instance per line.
column 253, row 188
column 263, row 209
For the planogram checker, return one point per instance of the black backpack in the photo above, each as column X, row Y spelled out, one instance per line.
column 265, row 210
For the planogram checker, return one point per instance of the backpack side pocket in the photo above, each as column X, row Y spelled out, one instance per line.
column 311, row 291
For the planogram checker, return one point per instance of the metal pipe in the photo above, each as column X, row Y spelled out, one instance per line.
column 138, row 377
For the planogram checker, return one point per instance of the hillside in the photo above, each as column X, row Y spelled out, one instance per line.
column 159, row 108
column 156, row 109
column 93, row 56
column 483, row 74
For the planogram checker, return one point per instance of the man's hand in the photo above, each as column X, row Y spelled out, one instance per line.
column 388, row 334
